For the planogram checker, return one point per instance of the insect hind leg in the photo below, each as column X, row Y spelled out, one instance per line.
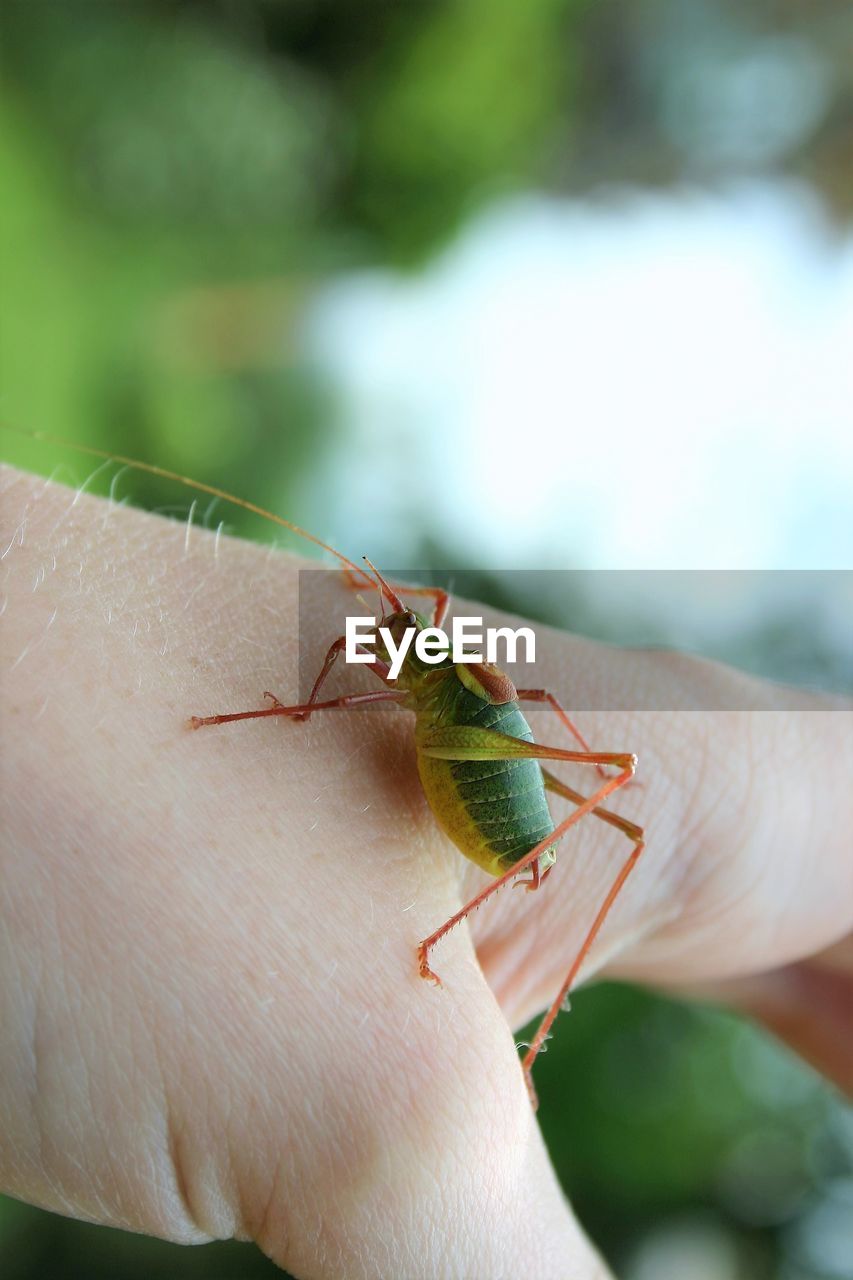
column 560, row 788
column 555, row 784
column 452, row 743
column 637, row 836
column 542, row 695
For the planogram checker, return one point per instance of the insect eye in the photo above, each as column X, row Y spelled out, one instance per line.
column 410, row 618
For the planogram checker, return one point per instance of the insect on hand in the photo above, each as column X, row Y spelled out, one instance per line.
column 478, row 763
column 479, row 767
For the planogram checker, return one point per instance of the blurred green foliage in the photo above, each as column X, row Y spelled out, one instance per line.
column 654, row 1111
column 177, row 180
column 178, row 177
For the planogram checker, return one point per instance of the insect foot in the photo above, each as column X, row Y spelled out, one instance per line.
column 423, row 966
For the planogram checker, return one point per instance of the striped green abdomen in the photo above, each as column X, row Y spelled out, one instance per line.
column 494, row 811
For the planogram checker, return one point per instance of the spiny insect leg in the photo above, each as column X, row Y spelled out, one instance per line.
column 465, row 743
column 328, row 662
column 298, row 711
column 542, row 695
column 426, row 946
column 547, row 1022
column 377, row 665
column 555, row 784
column 628, row 763
column 303, row 710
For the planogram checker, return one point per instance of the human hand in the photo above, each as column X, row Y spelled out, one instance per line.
column 212, row 1020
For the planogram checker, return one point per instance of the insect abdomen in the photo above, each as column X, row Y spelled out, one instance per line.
column 494, row 811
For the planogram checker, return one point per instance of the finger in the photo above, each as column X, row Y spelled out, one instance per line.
column 746, row 866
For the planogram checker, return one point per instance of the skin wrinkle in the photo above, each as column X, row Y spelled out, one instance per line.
column 690, row 877
column 709, row 919
column 200, row 1229
column 71, row 1045
column 264, row 1229
column 174, row 1147
column 756, row 774
column 205, row 1219
column 58, row 933
column 699, row 819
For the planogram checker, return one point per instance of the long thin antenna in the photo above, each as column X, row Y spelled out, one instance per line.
column 390, row 594
column 164, row 473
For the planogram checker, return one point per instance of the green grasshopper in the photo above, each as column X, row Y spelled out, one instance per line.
column 478, row 763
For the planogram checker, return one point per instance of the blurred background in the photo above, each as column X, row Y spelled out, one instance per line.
column 488, row 286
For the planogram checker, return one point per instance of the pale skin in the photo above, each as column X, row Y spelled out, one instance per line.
column 213, row 1023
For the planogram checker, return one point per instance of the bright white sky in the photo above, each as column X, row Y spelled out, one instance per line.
column 630, row 381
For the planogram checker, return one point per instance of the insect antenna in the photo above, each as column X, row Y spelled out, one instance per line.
column 165, row 473
column 381, row 605
column 387, row 590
